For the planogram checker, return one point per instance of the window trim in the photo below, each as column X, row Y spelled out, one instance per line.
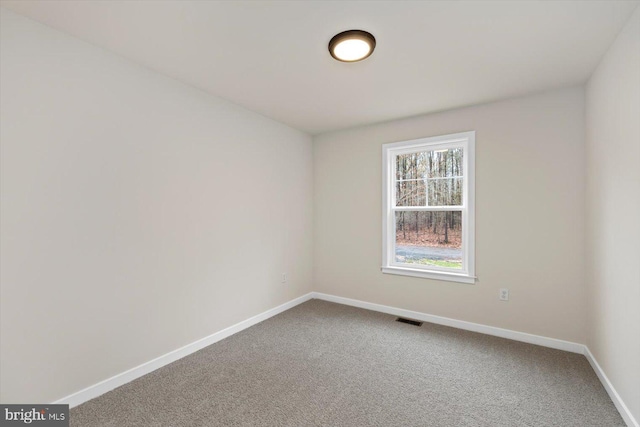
column 466, row 140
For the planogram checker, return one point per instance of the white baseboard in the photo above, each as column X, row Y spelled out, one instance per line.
column 109, row 384
column 613, row 394
column 460, row 324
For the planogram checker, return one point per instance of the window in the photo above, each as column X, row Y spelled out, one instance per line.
column 428, row 207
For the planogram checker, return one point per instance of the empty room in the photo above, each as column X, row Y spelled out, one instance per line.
column 319, row 213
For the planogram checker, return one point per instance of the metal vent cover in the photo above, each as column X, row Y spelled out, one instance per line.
column 409, row 321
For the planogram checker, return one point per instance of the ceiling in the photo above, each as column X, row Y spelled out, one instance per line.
column 271, row 56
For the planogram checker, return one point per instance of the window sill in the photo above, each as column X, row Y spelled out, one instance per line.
column 437, row 275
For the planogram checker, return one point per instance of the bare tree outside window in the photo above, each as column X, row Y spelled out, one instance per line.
column 429, row 179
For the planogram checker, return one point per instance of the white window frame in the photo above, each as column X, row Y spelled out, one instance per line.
column 464, row 140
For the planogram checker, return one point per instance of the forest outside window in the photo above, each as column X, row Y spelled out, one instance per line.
column 428, row 207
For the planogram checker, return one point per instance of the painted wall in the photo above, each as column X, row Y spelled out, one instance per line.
column 613, row 214
column 138, row 214
column 529, row 216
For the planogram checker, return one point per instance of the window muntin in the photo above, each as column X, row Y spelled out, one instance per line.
column 428, row 207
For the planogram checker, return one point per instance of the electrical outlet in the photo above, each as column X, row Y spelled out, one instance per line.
column 284, row 277
column 504, row 294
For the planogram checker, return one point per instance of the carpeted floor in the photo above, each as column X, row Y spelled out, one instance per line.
column 325, row 364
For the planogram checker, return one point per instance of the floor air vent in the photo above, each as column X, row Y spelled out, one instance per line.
column 409, row 321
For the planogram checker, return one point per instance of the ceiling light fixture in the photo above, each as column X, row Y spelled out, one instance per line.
column 352, row 45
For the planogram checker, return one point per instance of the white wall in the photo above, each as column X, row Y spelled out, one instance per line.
column 613, row 220
column 529, row 216
column 138, row 214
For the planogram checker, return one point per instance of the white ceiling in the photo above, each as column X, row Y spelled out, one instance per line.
column 271, row 56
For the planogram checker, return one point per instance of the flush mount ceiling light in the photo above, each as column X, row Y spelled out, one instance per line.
column 352, row 45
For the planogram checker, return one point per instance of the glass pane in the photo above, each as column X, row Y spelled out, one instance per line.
column 445, row 163
column 429, row 238
column 444, row 191
column 411, row 193
column 440, row 171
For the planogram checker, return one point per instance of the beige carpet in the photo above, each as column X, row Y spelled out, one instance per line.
column 325, row 364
